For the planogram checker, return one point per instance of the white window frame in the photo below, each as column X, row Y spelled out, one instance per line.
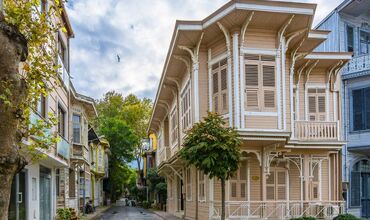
column 173, row 127
column 81, row 130
column 188, row 184
column 201, row 198
column 186, row 113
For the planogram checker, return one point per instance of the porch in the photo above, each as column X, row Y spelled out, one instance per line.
column 317, row 130
column 278, row 209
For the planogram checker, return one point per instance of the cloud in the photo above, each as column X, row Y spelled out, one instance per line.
column 139, row 32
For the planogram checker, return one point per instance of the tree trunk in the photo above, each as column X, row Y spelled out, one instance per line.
column 222, row 199
column 13, row 50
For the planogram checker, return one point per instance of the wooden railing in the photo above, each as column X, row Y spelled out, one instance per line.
column 164, row 155
column 357, row 64
column 278, row 209
column 316, row 130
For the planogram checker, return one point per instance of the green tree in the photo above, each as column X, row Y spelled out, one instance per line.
column 27, row 40
column 214, row 149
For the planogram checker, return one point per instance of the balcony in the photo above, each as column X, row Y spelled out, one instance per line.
column 316, row 130
column 278, row 209
column 359, row 64
column 63, row 73
column 163, row 155
column 63, row 148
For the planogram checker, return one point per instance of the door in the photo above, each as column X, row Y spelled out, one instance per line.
column 365, row 199
column 17, row 207
column 45, row 194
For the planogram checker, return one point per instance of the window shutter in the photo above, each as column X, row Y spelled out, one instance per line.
column 269, row 97
column 233, row 189
column 270, row 187
column 215, row 83
column 251, row 75
column 355, row 189
column 224, row 90
column 367, row 103
column 243, row 170
column 281, row 185
column 357, row 110
column 268, row 76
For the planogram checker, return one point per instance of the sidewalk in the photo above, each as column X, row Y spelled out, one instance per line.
column 165, row 215
column 97, row 212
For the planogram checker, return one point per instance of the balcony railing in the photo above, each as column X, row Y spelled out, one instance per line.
column 316, row 130
column 164, row 155
column 63, row 147
column 357, row 64
column 63, row 73
column 278, row 209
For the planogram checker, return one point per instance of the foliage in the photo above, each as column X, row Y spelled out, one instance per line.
column 146, row 205
column 66, row 214
column 212, row 147
column 346, row 217
column 304, row 218
column 138, row 193
column 153, row 179
column 161, row 188
column 123, row 122
column 39, row 71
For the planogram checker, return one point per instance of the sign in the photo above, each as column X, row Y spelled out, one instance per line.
column 255, row 178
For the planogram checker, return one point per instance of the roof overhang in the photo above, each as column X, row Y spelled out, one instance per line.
column 326, row 60
column 268, row 15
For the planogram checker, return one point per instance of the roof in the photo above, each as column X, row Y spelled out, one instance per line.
column 85, row 99
column 234, row 11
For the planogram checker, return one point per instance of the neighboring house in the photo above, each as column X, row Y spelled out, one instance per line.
column 149, row 162
column 349, row 24
column 36, row 190
column 253, row 63
column 99, row 150
column 82, row 110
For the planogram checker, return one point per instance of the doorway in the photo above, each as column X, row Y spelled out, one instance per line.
column 45, row 193
column 17, row 206
column 180, row 195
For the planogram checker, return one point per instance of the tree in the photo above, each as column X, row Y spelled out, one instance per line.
column 214, row 149
column 27, row 40
column 136, row 113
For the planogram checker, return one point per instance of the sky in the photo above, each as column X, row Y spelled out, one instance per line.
column 139, row 32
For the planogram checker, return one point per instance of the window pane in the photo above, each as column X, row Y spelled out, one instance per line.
column 76, row 128
column 367, row 102
column 355, row 188
column 350, row 39
column 357, row 110
column 364, row 42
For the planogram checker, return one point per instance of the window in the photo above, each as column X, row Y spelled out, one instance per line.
column 260, row 82
column 61, row 49
column 41, row 106
column 76, row 128
column 57, row 182
column 219, row 87
column 316, row 104
column 201, row 185
column 361, row 109
column 364, row 42
column 188, row 184
column 238, row 183
column 350, row 39
column 276, row 185
column 61, row 121
column 186, row 107
column 294, row 104
column 174, row 129
column 315, row 181
column 72, row 183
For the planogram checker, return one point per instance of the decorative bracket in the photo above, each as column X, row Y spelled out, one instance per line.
column 293, row 35
column 283, row 29
column 300, row 71
column 257, row 153
column 245, row 26
column 309, row 70
column 227, row 38
column 185, row 61
column 194, row 54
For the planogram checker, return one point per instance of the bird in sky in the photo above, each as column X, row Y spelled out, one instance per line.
column 118, row 58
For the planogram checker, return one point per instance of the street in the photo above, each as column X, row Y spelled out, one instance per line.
column 127, row 213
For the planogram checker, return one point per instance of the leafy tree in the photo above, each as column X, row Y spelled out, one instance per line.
column 27, row 40
column 214, row 149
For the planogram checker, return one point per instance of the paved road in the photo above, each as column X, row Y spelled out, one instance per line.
column 127, row 213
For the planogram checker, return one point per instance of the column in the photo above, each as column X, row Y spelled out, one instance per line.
column 235, row 39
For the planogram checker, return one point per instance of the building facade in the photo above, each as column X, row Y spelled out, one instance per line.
column 57, row 178
column 349, row 24
column 253, row 63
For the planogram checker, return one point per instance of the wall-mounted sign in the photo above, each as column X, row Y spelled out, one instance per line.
column 255, row 178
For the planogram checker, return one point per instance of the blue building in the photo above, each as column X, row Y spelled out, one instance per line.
column 350, row 32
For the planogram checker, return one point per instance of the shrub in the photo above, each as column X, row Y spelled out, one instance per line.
column 64, row 214
column 146, row 205
column 304, row 218
column 346, row 217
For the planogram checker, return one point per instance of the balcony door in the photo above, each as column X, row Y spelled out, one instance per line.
column 45, row 194
column 276, row 184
